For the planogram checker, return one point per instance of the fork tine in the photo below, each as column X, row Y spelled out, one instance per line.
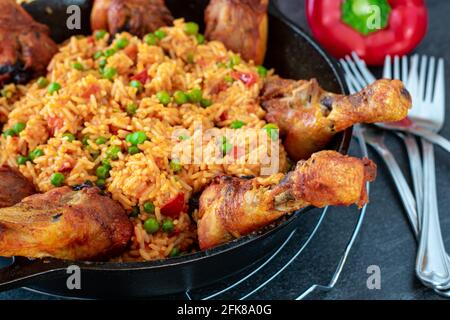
column 387, row 70
column 439, row 90
column 356, row 72
column 350, row 85
column 404, row 76
column 363, row 68
column 430, row 80
column 355, row 84
column 422, row 77
column 396, row 68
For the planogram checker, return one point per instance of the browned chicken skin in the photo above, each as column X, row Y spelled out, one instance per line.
column 26, row 48
column 309, row 117
column 233, row 207
column 13, row 187
column 65, row 224
column 242, row 25
column 138, row 17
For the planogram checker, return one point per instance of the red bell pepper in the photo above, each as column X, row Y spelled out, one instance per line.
column 248, row 78
column 174, row 207
column 371, row 28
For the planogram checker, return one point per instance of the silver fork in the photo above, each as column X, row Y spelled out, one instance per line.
column 359, row 76
column 432, row 264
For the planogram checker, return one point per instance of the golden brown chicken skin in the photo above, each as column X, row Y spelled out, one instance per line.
column 242, row 25
column 26, row 47
column 13, row 187
column 139, row 17
column 65, row 224
column 233, row 207
column 309, row 117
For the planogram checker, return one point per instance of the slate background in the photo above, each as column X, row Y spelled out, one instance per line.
column 385, row 239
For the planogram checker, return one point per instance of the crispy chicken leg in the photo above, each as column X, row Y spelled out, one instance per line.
column 13, row 187
column 65, row 224
column 138, row 17
column 233, row 207
column 242, row 25
column 309, row 117
column 26, row 48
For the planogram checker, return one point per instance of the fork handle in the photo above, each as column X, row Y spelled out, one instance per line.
column 431, row 136
column 432, row 264
column 402, row 186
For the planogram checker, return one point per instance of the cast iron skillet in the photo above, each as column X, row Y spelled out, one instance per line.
column 294, row 55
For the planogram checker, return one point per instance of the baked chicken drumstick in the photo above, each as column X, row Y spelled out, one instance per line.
column 26, row 47
column 66, row 224
column 13, row 187
column 138, row 17
column 233, row 207
column 309, row 117
column 242, row 25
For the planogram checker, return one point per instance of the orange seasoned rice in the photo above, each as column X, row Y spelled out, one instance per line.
column 91, row 107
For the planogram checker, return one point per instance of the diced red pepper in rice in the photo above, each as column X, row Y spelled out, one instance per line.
column 174, row 207
column 93, row 89
column 54, row 124
column 248, row 78
column 142, row 76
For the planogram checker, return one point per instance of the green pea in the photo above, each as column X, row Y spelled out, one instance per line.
column 191, row 28
column 53, row 87
column 68, row 136
column 272, row 130
column 149, row 207
column 136, row 138
column 102, row 63
column 221, row 65
column 100, row 182
column 106, row 163
column 168, row 226
column 195, row 95
column 237, row 124
column 262, row 71
column 42, row 82
column 113, row 152
column 234, row 61
column 18, row 127
column 226, row 146
column 160, row 34
column 205, row 103
column 84, row 141
column 109, row 73
column 151, row 225
column 136, row 84
column 100, row 34
column 36, row 153
column 174, row 252
column 102, row 172
column 98, row 55
column 78, row 66
column 100, row 140
column 200, row 38
column 133, row 150
column 180, row 97
column 175, row 165
column 131, row 109
column 110, row 52
column 57, row 179
column 121, row 43
column 135, row 211
column 22, row 160
column 163, row 97
column 151, row 39
column 9, row 133
column 228, row 79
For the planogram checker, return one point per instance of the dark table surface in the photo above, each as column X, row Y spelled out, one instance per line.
column 385, row 239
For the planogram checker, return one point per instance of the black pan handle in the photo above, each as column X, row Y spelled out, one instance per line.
column 24, row 271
